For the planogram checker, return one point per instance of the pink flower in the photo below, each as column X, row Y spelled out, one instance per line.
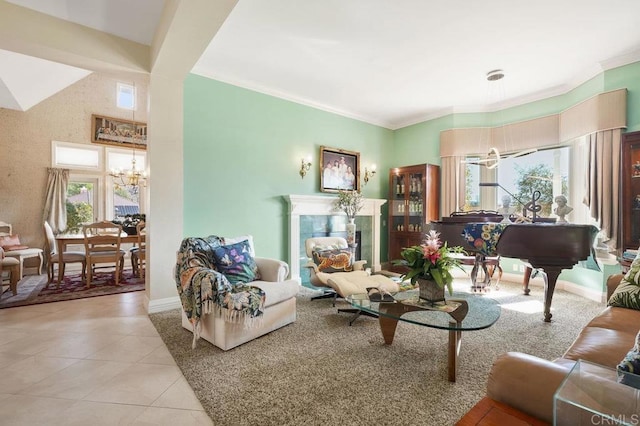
column 433, row 239
column 431, row 253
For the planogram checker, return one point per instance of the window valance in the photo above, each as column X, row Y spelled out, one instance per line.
column 604, row 111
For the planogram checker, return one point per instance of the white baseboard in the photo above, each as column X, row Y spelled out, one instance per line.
column 587, row 293
column 161, row 305
column 567, row 286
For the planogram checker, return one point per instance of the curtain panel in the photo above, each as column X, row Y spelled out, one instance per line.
column 602, row 182
column 55, row 209
column 453, row 185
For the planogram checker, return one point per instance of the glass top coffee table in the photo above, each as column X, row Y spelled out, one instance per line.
column 461, row 312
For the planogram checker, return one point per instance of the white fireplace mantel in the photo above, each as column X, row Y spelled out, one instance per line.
column 310, row 205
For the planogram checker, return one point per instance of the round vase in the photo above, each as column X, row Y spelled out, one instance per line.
column 430, row 291
column 351, row 232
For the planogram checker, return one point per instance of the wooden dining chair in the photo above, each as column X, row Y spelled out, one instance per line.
column 52, row 256
column 139, row 253
column 102, row 246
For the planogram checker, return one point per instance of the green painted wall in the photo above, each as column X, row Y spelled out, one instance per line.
column 419, row 143
column 242, row 152
column 627, row 76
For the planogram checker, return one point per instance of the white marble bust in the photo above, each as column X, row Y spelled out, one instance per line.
column 562, row 209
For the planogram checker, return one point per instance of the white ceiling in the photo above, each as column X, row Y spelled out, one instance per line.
column 394, row 63
column 25, row 81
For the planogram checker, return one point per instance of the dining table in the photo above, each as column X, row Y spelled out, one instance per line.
column 63, row 240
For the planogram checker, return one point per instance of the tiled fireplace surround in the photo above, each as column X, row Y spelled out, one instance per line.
column 311, row 215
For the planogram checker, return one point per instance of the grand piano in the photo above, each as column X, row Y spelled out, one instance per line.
column 547, row 246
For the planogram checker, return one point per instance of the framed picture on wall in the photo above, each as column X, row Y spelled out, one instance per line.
column 339, row 169
column 118, row 132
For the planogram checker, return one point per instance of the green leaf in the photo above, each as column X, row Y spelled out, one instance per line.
column 437, row 277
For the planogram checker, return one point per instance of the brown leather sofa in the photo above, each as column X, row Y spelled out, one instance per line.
column 528, row 383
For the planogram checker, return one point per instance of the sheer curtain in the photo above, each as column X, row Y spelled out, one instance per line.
column 602, row 190
column 55, row 209
column 453, row 185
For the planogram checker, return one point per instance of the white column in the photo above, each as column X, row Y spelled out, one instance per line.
column 294, row 244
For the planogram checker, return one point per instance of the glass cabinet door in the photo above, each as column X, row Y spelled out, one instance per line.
column 634, row 185
column 630, row 194
column 415, row 202
column 398, row 205
column 407, row 203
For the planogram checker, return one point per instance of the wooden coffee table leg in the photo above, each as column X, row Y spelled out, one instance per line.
column 455, row 338
column 388, row 328
column 388, row 325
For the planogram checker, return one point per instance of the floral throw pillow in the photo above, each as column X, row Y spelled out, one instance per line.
column 235, row 262
column 627, row 294
column 333, row 260
column 629, row 367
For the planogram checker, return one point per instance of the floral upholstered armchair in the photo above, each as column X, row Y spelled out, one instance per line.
column 228, row 295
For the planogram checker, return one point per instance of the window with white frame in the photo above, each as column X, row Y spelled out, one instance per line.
column 549, row 172
column 76, row 156
column 124, row 199
column 126, row 96
column 93, row 193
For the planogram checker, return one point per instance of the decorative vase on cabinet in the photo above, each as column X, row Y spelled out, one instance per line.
column 414, row 194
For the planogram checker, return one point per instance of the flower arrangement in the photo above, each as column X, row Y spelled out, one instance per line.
column 431, row 260
column 131, row 220
column 350, row 202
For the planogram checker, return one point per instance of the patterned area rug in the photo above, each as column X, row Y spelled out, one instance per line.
column 31, row 289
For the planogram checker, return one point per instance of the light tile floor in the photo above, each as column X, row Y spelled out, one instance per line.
column 96, row 361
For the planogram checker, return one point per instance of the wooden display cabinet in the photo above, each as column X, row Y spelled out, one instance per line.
column 630, row 205
column 414, row 201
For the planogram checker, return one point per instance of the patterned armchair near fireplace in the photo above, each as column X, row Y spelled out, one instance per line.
column 329, row 256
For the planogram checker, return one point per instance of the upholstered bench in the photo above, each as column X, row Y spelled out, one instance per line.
column 346, row 284
column 23, row 254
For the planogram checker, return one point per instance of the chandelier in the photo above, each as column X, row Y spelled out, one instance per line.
column 130, row 179
column 493, row 158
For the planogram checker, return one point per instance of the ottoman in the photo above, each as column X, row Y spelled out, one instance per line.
column 347, row 284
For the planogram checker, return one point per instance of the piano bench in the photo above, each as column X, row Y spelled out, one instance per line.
column 488, row 265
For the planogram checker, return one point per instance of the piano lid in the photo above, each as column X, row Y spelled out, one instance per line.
column 473, row 216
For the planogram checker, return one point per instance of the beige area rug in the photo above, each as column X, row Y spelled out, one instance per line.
column 321, row 371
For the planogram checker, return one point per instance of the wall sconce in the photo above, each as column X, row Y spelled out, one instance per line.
column 368, row 174
column 305, row 166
